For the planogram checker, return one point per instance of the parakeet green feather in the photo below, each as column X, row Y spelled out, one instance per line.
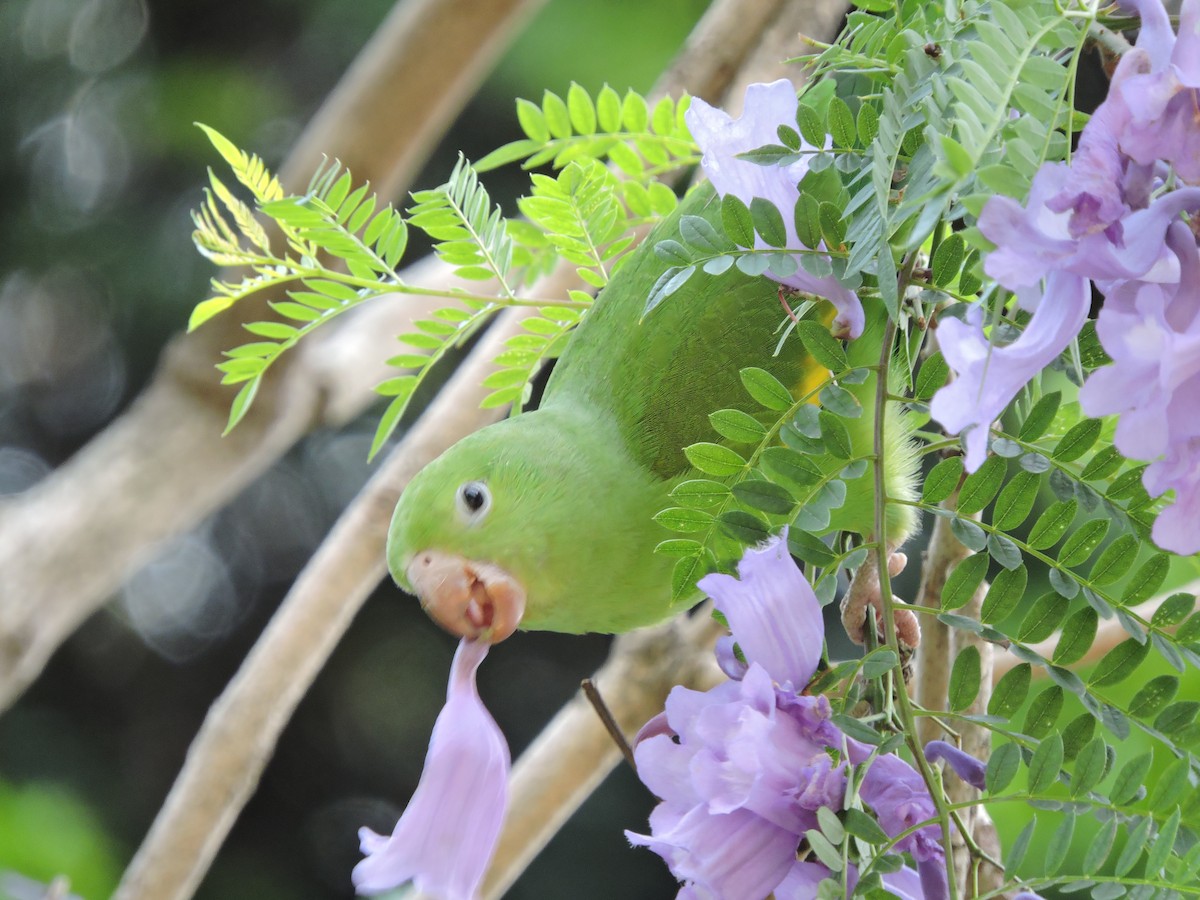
column 560, row 500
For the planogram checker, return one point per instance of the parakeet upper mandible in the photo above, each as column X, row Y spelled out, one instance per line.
column 544, row 521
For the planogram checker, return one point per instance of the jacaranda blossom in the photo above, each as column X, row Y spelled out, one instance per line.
column 721, row 138
column 444, row 840
column 1099, row 222
column 742, row 769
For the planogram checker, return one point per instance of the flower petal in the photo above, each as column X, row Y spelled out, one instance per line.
column 965, row 766
column 445, row 837
column 988, row 377
column 721, row 138
column 772, row 611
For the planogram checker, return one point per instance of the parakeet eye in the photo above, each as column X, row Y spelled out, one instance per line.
column 474, row 499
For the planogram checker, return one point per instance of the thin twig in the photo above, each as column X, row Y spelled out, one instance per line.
column 606, row 718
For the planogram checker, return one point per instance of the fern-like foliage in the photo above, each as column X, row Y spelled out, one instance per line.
column 643, row 143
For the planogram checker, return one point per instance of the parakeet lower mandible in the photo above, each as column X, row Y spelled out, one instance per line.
column 544, row 521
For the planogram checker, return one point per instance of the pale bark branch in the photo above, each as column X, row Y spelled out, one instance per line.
column 163, row 466
column 934, row 656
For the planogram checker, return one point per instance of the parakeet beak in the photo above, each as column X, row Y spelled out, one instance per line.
column 471, row 599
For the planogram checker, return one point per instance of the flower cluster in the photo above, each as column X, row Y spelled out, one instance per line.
column 742, row 769
column 721, row 138
column 445, row 838
column 1112, row 218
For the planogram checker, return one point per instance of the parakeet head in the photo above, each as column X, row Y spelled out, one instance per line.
column 523, row 523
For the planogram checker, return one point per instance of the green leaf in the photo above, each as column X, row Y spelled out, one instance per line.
column 960, row 587
column 241, row 403
column 1090, row 766
column 1003, row 597
column 608, row 109
column 768, row 222
column 942, row 480
column 864, row 827
column 1102, row 465
column 1133, row 846
column 1077, row 635
column 737, row 221
column 1003, row 766
column 1040, row 417
column 1046, row 763
column 558, row 119
column 1043, row 712
column 1173, row 610
column 699, row 492
column 713, row 459
column 1043, row 617
column 1119, row 663
column 879, row 662
column 1130, row 779
column 581, row 109
column 1016, row 855
column 1172, row 785
column 1147, row 580
column 634, row 114
column 808, row 548
column 1163, row 844
column 833, row 228
column 679, row 547
column 1077, row 441
column 1115, row 561
column 1100, row 846
column 1052, row 524
column 981, row 486
column 867, row 121
column 956, row 156
column 1010, row 691
column 965, row 678
column 931, row 376
column 764, row 495
column 1015, row 501
column 1156, row 694
column 1060, row 843
column 823, row 346
column 686, row 573
column 683, row 519
column 947, row 260
column 743, row 526
column 836, row 435
column 739, row 427
column 790, row 466
column 532, row 121
column 969, row 534
column 807, row 216
column 811, row 125
column 841, row 123
column 766, row 389
column 1083, row 542
column 1177, row 716
column 823, row 850
column 1078, row 732
column 1004, row 551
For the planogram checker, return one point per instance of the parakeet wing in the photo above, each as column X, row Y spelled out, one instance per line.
column 660, row 375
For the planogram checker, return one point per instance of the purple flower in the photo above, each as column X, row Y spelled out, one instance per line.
column 445, row 838
column 721, row 138
column 1161, row 90
column 988, row 377
column 770, row 590
column 742, row 769
column 967, row 767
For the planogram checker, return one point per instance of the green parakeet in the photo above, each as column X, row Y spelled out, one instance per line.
column 544, row 521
